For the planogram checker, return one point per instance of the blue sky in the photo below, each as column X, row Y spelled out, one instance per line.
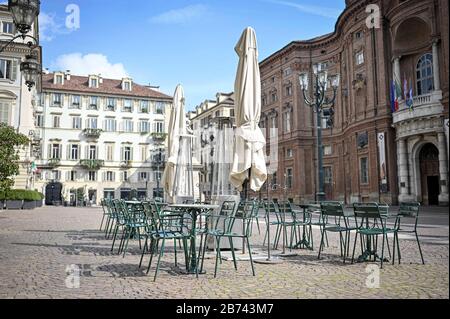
column 166, row 42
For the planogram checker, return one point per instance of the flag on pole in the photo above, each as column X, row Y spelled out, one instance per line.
column 410, row 99
column 405, row 89
column 393, row 98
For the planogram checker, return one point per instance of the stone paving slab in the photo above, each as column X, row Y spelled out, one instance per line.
column 38, row 247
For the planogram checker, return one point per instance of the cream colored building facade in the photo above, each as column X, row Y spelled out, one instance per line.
column 100, row 137
column 17, row 103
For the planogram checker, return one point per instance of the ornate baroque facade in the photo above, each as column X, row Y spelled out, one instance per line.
column 410, row 42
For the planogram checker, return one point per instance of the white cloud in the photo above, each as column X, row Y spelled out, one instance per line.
column 50, row 27
column 180, row 16
column 315, row 10
column 92, row 63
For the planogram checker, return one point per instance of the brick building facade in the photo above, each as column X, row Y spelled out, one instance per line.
column 367, row 60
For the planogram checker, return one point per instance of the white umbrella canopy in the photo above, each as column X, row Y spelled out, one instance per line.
column 177, row 127
column 249, row 140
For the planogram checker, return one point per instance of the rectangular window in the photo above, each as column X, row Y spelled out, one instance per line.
column 110, row 125
column 287, row 121
column 327, row 150
column 127, row 106
column 111, row 104
column 328, row 175
column 56, row 175
column 73, row 176
column 144, row 150
column 92, row 176
column 143, row 176
column 289, row 153
column 360, row 58
column 92, row 123
column 76, row 102
column 128, row 126
column 289, row 177
column 109, row 177
column 125, row 176
column 274, row 97
column 92, row 152
column 364, row 170
column 59, row 79
column 144, row 107
column 288, row 90
column 5, row 69
column 76, row 122
column 74, row 152
column 8, row 27
column 109, row 193
column 144, row 126
column 56, row 151
column 287, row 71
column 57, row 99
column 56, row 121
column 109, row 152
column 159, row 107
column 39, row 120
column 127, row 86
column 94, row 83
column 159, row 127
column 127, row 153
column 93, row 103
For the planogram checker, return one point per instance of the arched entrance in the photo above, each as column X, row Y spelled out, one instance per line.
column 429, row 174
column 53, row 194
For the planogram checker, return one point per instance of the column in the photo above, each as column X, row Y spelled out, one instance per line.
column 403, row 172
column 397, row 74
column 443, row 169
column 437, row 82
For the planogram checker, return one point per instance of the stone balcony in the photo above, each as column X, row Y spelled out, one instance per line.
column 161, row 137
column 425, row 117
column 92, row 133
column 92, row 164
column 54, row 162
column 126, row 164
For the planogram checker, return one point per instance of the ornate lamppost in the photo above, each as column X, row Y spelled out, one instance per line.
column 24, row 14
column 323, row 106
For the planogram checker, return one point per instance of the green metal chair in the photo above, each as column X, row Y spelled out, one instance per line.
column 135, row 222
column 410, row 210
column 370, row 221
column 164, row 227
column 272, row 209
column 340, row 224
column 223, row 228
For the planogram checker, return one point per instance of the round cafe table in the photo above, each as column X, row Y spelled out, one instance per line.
column 194, row 210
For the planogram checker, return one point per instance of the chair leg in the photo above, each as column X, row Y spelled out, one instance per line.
column 126, row 242
column 345, row 245
column 114, row 239
column 321, row 242
column 159, row 259
column 232, row 252
column 217, row 257
column 175, row 251
column 420, row 249
column 354, row 247
column 340, row 243
column 152, row 252
column 393, row 248
column 382, row 250
column 250, row 255
column 398, row 251
column 101, row 224
column 388, row 247
column 143, row 251
column 203, row 252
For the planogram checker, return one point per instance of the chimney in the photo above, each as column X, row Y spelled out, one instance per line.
column 68, row 75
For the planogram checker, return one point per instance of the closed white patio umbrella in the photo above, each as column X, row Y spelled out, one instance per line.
column 249, row 140
column 177, row 128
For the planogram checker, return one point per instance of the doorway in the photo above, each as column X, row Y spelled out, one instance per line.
column 429, row 174
column 53, row 194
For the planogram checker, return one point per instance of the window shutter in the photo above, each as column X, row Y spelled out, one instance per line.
column 97, row 155
column 122, row 154
column 121, row 177
column 86, row 155
column 132, row 153
column 114, row 176
column 14, row 67
column 68, row 153
column 49, row 151
column 104, row 176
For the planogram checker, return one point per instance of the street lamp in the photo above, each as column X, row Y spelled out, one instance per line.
column 24, row 14
column 322, row 106
column 158, row 160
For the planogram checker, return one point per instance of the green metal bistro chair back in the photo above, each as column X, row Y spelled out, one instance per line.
column 271, row 208
column 409, row 209
column 248, row 212
column 367, row 210
column 332, row 209
column 226, row 219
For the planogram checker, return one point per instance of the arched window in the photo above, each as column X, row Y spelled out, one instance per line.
column 425, row 83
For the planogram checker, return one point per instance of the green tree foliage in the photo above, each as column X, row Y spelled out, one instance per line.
column 10, row 142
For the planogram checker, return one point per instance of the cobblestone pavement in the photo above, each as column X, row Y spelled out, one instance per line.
column 37, row 247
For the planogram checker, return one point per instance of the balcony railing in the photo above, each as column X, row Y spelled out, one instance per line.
column 423, row 105
column 92, row 133
column 159, row 136
column 54, row 162
column 126, row 164
column 92, row 164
